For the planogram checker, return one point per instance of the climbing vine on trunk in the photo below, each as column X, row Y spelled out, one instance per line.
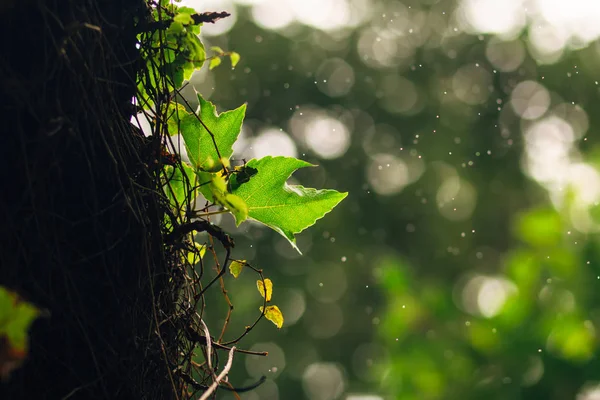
column 256, row 190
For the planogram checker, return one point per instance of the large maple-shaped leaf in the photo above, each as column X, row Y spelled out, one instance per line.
column 288, row 209
column 201, row 146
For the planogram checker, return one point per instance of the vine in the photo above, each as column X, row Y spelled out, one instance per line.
column 171, row 51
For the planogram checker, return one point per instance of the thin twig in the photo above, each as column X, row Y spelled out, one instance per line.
column 221, row 376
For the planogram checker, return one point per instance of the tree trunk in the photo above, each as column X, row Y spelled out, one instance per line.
column 80, row 226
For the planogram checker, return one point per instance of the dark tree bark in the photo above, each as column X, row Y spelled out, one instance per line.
column 79, row 222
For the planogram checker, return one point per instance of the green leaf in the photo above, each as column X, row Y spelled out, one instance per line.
column 186, row 10
column 176, row 28
column 273, row 314
column 176, row 112
column 288, row 209
column 235, row 268
column 215, row 190
column 265, row 288
column 214, row 62
column 183, row 18
column 235, row 58
column 197, row 254
column 169, row 55
column 194, row 52
column 217, row 49
column 176, row 188
column 237, row 206
column 16, row 316
column 198, row 141
column 206, row 184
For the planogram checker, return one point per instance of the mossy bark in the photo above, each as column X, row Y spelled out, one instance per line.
column 79, row 222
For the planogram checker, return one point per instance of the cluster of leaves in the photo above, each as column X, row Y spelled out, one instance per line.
column 173, row 51
column 204, row 173
column 172, row 54
column 256, row 190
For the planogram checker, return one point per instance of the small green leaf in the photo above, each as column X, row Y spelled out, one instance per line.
column 235, row 58
column 193, row 51
column 197, row 254
column 176, row 112
column 199, row 142
column 273, row 314
column 169, row 55
column 285, row 208
column 183, row 18
column 217, row 49
column 177, row 188
column 176, row 28
column 265, row 289
column 215, row 190
column 214, row 62
column 186, row 10
column 235, row 267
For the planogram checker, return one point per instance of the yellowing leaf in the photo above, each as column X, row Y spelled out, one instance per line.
column 217, row 49
column 265, row 289
column 273, row 314
column 236, row 267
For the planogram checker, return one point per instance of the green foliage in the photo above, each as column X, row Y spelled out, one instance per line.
column 196, row 254
column 215, row 61
column 209, row 136
column 410, row 105
column 172, row 51
column 16, row 316
column 176, row 187
column 257, row 190
column 172, row 54
column 288, row 209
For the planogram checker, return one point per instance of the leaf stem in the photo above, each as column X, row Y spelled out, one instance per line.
column 208, row 214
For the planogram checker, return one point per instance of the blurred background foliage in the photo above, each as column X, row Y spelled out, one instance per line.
column 465, row 263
